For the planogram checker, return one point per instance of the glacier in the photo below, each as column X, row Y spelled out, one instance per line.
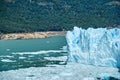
column 98, row 47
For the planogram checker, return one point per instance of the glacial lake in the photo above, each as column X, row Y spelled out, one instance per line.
column 45, row 59
column 16, row 54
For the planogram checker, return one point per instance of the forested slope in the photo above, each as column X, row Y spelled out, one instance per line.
column 18, row 16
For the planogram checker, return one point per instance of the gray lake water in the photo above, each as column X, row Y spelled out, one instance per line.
column 15, row 54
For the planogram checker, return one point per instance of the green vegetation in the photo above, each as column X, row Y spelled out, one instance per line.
column 18, row 16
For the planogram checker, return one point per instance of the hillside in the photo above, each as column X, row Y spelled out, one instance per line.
column 17, row 16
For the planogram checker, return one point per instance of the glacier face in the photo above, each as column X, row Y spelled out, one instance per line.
column 99, row 47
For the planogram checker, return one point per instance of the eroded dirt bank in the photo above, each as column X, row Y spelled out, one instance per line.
column 31, row 35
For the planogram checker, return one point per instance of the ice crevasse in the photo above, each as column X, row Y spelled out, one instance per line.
column 99, row 47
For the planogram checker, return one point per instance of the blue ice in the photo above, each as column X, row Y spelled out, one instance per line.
column 99, row 47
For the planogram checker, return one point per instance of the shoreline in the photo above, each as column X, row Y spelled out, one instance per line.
column 33, row 35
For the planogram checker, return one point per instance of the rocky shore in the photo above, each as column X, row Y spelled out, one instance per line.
column 31, row 35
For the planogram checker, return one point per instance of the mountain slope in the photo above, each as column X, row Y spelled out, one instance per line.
column 56, row 15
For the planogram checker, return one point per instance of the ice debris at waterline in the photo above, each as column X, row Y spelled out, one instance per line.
column 99, row 47
column 71, row 71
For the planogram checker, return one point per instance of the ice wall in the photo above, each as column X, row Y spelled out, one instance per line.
column 99, row 47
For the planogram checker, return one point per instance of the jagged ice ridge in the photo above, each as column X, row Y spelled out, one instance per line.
column 99, row 47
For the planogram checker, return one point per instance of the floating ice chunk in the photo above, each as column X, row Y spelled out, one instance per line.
column 61, row 58
column 71, row 71
column 39, row 52
column 89, row 78
column 8, row 56
column 22, row 57
column 7, row 49
column 7, row 60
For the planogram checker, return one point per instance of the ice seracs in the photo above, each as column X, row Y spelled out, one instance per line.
column 99, row 47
